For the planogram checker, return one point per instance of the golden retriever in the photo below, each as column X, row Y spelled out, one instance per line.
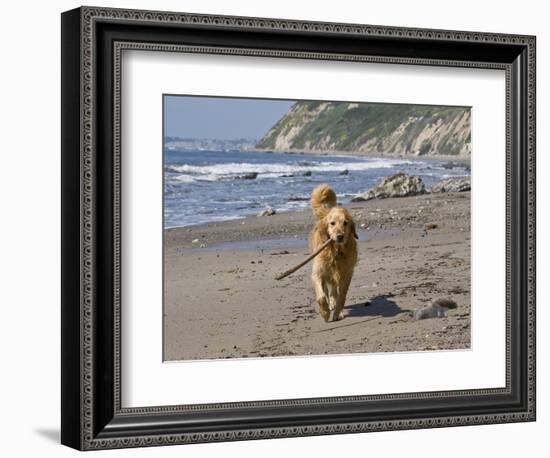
column 333, row 267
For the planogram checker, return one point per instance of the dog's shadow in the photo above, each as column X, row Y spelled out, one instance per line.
column 377, row 306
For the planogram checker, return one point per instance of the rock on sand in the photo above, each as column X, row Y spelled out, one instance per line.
column 455, row 184
column 267, row 212
column 398, row 185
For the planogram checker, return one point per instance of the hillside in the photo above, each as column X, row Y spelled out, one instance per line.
column 372, row 128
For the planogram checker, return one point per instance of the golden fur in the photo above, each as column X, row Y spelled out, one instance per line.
column 333, row 268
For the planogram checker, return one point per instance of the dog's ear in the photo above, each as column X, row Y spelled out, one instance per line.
column 321, row 229
column 324, row 226
column 353, row 231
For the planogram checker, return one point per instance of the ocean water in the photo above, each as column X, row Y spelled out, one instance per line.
column 208, row 186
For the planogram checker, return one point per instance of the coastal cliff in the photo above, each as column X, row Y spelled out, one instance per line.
column 372, row 128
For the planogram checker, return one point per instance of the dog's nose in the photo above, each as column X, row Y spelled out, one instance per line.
column 339, row 238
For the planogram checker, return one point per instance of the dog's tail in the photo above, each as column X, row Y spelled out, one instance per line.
column 323, row 199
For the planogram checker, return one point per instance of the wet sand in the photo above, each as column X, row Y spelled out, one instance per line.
column 221, row 299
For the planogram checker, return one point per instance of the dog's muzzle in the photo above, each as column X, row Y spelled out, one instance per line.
column 339, row 238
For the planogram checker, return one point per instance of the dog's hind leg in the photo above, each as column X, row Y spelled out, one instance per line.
column 321, row 297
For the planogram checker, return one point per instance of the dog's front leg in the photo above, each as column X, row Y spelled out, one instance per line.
column 321, row 296
column 332, row 296
column 338, row 313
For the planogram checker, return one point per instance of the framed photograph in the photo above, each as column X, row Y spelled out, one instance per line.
column 276, row 228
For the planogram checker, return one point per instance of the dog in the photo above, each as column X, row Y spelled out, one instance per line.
column 333, row 267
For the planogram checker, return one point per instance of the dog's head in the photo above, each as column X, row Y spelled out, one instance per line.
column 339, row 225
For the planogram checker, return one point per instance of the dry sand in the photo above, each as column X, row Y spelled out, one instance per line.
column 221, row 299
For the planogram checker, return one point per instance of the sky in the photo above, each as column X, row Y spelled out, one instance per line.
column 221, row 118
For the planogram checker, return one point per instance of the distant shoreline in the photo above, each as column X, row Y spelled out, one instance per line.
column 373, row 155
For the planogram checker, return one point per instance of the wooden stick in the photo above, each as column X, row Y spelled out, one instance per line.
column 286, row 273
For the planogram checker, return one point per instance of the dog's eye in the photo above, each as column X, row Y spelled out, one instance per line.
column 332, row 223
column 345, row 223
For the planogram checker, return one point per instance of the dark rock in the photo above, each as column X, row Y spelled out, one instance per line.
column 248, row 176
column 446, row 302
column 344, row 172
column 449, row 165
column 307, row 173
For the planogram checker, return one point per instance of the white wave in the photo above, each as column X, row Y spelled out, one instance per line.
column 292, row 206
column 270, row 170
column 188, row 178
column 182, row 179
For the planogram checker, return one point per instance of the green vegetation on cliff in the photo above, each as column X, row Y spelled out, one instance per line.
column 372, row 128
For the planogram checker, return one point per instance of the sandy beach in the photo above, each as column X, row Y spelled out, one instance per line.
column 221, row 299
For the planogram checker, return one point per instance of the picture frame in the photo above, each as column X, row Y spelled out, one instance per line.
column 93, row 416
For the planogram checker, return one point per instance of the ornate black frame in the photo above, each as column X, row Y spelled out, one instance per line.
column 92, row 42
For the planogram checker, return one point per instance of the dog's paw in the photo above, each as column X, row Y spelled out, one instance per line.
column 324, row 307
column 325, row 313
column 338, row 316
